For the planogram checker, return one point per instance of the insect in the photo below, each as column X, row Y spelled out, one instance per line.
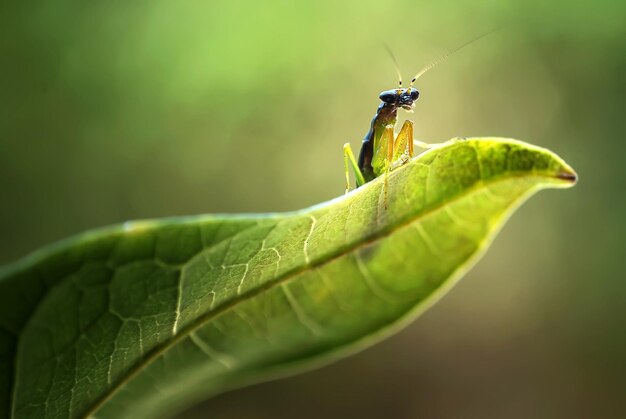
column 382, row 150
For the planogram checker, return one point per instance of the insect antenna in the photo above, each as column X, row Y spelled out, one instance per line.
column 447, row 54
column 396, row 65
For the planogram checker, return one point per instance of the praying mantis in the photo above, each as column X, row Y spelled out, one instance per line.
column 382, row 150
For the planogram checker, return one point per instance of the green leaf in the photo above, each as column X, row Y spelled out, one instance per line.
column 144, row 318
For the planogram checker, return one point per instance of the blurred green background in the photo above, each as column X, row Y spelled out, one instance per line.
column 111, row 111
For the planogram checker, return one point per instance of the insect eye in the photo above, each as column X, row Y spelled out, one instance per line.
column 415, row 94
column 387, row 97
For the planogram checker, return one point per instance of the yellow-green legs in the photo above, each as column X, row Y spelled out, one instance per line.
column 390, row 152
column 350, row 162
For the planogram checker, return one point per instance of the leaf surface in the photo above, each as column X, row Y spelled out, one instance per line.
column 144, row 318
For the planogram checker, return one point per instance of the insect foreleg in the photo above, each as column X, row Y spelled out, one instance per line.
column 403, row 145
column 381, row 159
column 389, row 157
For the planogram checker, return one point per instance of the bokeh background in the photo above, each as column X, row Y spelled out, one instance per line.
column 114, row 110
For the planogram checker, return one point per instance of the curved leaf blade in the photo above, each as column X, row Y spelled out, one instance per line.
column 143, row 318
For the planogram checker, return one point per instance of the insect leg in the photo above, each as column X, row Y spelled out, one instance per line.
column 381, row 160
column 422, row 144
column 403, row 146
column 390, row 150
column 350, row 161
column 383, row 154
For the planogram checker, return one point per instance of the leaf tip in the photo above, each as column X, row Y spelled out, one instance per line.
column 568, row 175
